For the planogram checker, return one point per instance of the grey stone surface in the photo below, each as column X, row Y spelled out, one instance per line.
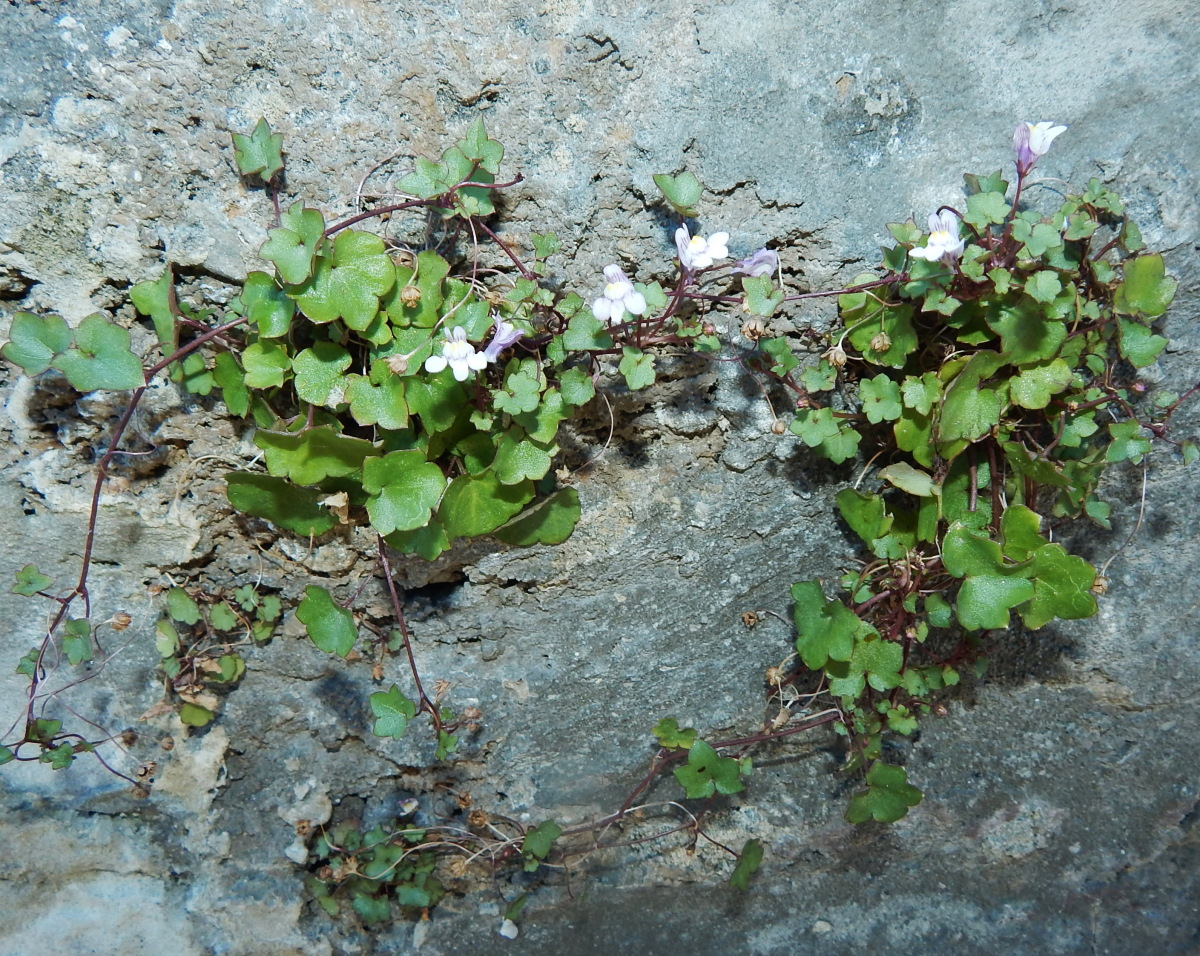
column 1062, row 803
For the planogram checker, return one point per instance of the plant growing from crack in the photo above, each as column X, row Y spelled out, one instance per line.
column 989, row 366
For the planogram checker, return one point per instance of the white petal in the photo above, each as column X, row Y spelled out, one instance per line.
column 461, row 372
column 682, row 243
column 635, row 302
column 928, row 253
column 477, row 361
column 602, row 308
column 434, row 364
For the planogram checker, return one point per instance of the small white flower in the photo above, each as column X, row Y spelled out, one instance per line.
column 619, row 297
column 508, row 929
column 944, row 241
column 1032, row 141
column 696, row 252
column 459, row 354
column 504, row 334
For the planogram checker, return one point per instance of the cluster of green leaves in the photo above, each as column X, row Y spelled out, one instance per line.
column 379, row 872
column 998, row 389
column 199, row 644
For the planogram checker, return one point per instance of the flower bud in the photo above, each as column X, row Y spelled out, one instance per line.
column 754, row 328
column 836, row 356
column 778, row 427
column 881, row 342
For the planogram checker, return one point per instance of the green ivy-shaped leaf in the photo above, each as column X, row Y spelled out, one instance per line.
column 672, row 737
column 538, row 842
column 404, row 490
column 284, row 504
column 319, row 379
column 475, row 505
column 518, row 457
column 427, row 542
column 194, row 715
column 984, row 600
column 261, row 152
column 1138, row 345
column 330, row 626
column 784, row 361
column 821, row 377
column 77, row 641
column 293, row 244
column 869, row 319
column 761, row 298
column 35, row 341
column 748, row 862
column 392, row 712
column 101, row 358
column 267, row 306
column 986, row 209
column 585, row 333
column 542, row 423
column 312, row 455
column 1025, row 334
column 920, row 394
column 348, row 284
column 1043, row 286
column 426, row 280
column 479, row 148
column 880, row 397
column 813, row 426
column 266, row 364
column 1062, row 587
column 1146, row 289
column 182, row 607
column 230, row 378
column 29, row 580
column 1039, row 238
column 826, row 630
column 1128, row 442
column 682, row 192
column 379, row 399
column 59, row 758
column 874, row 661
column 707, row 773
column 576, row 386
column 154, row 298
column 637, row 367
column 888, row 796
column 222, row 617
column 1036, row 384
column 549, row 521
column 911, row 480
column 523, row 384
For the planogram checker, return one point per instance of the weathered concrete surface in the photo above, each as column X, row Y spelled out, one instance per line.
column 1061, row 807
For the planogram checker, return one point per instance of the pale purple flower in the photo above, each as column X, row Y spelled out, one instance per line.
column 696, row 252
column 459, row 354
column 762, row 263
column 504, row 334
column 619, row 297
column 1031, row 141
column 944, row 242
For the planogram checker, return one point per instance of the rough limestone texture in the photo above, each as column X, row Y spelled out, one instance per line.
column 1061, row 804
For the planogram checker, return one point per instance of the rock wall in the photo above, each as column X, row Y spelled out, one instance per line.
column 1061, row 807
